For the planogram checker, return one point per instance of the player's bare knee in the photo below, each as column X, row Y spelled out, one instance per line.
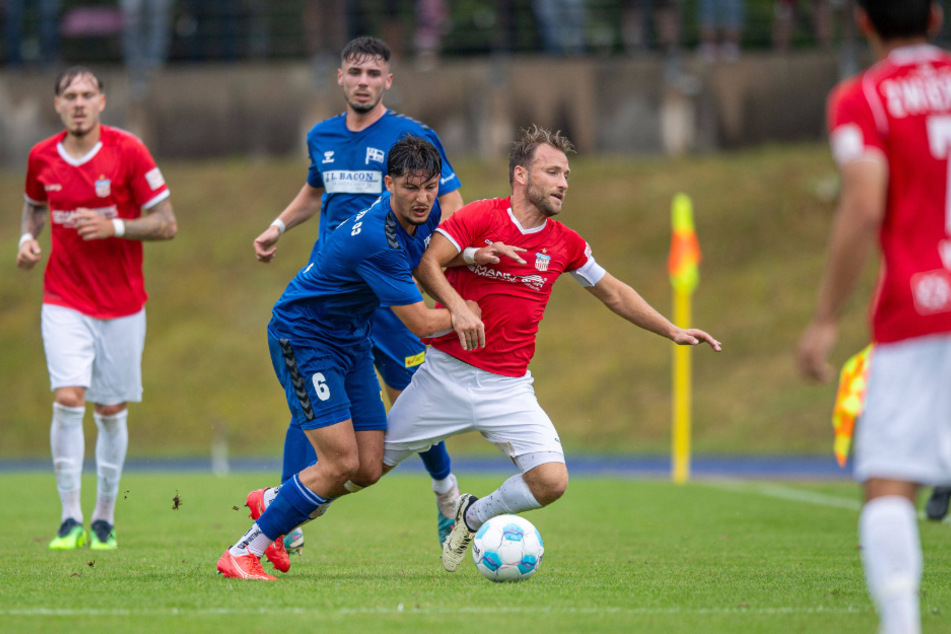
column 70, row 397
column 547, row 482
column 110, row 410
column 368, row 475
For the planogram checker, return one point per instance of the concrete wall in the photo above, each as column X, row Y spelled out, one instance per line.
column 604, row 104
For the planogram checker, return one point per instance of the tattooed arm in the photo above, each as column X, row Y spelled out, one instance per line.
column 32, row 222
column 158, row 223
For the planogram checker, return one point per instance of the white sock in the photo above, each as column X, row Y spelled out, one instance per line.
column 254, row 542
column 445, row 485
column 513, row 496
column 68, row 446
column 891, row 555
column 269, row 494
column 447, row 494
column 111, row 444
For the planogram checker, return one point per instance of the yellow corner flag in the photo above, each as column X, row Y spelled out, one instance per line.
column 684, row 247
column 850, row 401
column 684, row 276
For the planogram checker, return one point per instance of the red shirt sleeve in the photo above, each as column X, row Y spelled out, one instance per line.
column 145, row 179
column 34, row 188
column 854, row 132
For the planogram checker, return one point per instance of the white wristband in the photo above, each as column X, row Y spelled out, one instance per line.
column 280, row 225
column 119, row 226
column 468, row 254
column 26, row 237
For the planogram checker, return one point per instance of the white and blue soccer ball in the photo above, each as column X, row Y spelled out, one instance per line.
column 507, row 548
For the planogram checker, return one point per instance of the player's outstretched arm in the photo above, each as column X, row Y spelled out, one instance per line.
column 31, row 225
column 305, row 205
column 854, row 230
column 467, row 324
column 626, row 302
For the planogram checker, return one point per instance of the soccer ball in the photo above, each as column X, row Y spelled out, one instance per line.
column 507, row 548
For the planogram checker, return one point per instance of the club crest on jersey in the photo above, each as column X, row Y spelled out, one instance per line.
column 328, row 157
column 103, row 187
column 374, row 155
column 542, row 261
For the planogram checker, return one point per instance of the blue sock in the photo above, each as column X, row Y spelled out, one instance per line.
column 436, row 460
column 298, row 452
column 292, row 507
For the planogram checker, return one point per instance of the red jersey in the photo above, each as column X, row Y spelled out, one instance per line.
column 899, row 111
column 117, row 178
column 512, row 296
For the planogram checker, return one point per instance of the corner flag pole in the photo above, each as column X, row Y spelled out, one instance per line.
column 684, row 275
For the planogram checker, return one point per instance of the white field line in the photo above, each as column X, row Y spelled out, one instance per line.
column 787, row 493
column 399, row 609
column 798, row 495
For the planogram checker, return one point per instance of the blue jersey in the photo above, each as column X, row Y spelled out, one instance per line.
column 349, row 166
column 367, row 262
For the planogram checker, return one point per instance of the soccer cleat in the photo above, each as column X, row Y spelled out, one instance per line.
column 446, row 506
column 243, row 567
column 255, row 502
column 70, row 536
column 275, row 553
column 294, row 542
column 937, row 506
column 455, row 546
column 102, row 536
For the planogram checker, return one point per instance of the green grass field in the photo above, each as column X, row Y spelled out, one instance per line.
column 621, row 556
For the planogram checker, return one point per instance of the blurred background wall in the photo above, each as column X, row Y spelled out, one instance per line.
column 200, row 78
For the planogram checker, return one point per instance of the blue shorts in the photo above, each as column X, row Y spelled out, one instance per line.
column 325, row 386
column 397, row 352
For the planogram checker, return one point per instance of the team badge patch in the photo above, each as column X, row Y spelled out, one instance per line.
column 374, row 155
column 542, row 261
column 154, row 178
column 103, row 187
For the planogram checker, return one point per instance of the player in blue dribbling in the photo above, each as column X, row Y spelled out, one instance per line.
column 319, row 338
column 347, row 166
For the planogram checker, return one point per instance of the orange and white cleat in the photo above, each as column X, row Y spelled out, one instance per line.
column 243, row 567
column 275, row 553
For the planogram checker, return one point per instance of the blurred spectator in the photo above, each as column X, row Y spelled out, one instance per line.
column 636, row 32
column 785, row 14
column 325, row 28
column 431, row 19
column 146, row 35
column 721, row 22
column 217, row 23
column 561, row 24
column 432, row 22
column 45, row 14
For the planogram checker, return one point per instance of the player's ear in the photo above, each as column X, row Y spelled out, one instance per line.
column 340, row 77
column 935, row 19
column 390, row 184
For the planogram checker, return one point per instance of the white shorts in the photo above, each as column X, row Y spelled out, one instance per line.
column 448, row 397
column 905, row 431
column 102, row 355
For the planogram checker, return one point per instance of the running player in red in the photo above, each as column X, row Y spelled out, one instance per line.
column 511, row 251
column 890, row 132
column 104, row 196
